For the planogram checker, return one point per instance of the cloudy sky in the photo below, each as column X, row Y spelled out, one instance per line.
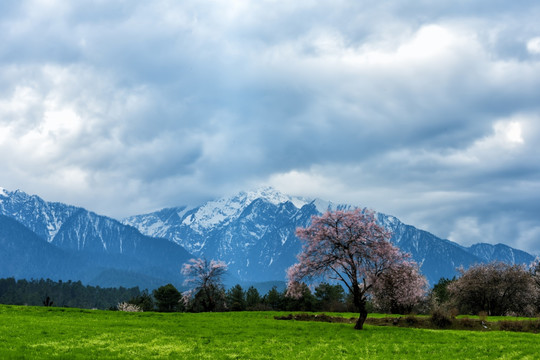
column 429, row 111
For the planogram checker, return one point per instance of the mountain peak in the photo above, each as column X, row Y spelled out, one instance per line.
column 225, row 209
column 273, row 196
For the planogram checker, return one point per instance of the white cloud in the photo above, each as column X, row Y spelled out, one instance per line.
column 467, row 231
column 533, row 45
column 507, row 135
column 429, row 42
column 307, row 183
column 426, row 111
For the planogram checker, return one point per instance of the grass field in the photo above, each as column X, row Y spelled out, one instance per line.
column 38, row 332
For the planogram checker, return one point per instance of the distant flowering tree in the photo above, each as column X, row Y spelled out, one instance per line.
column 127, row 307
column 496, row 288
column 535, row 273
column 206, row 278
column 348, row 246
column 399, row 289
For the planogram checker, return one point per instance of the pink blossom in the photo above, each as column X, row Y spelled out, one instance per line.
column 203, row 274
column 348, row 246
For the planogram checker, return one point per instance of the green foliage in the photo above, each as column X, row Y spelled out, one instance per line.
column 144, row 301
column 43, row 333
column 62, row 293
column 440, row 293
column 167, row 298
column 208, row 299
column 236, row 299
column 273, row 299
column 253, row 299
column 330, row 297
column 306, row 302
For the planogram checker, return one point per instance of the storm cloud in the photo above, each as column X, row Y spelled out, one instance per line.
column 426, row 111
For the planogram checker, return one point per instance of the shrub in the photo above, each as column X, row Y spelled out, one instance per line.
column 440, row 319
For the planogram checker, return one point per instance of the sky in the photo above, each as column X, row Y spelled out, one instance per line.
column 425, row 110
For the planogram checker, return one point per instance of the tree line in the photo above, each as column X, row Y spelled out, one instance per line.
column 494, row 289
column 46, row 292
column 491, row 289
column 325, row 297
column 347, row 248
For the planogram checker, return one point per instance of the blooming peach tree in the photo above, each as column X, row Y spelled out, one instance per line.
column 205, row 277
column 399, row 289
column 535, row 271
column 348, row 246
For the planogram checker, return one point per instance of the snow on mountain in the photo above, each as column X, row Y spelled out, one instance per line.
column 254, row 232
column 100, row 245
column 500, row 252
column 43, row 218
column 221, row 212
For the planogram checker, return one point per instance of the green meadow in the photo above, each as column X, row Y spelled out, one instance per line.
column 57, row 333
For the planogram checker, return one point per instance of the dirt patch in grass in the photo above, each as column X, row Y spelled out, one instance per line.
column 411, row 321
column 316, row 317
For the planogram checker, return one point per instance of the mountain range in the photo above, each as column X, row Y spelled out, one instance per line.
column 253, row 232
column 63, row 242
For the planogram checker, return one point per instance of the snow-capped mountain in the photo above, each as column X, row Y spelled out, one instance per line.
column 43, row 218
column 254, row 232
column 98, row 249
column 500, row 252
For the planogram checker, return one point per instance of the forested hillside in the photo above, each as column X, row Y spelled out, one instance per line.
column 63, row 294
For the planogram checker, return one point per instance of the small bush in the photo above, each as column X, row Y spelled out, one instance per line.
column 440, row 319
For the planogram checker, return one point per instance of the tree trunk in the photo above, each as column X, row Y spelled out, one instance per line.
column 361, row 319
column 361, row 305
